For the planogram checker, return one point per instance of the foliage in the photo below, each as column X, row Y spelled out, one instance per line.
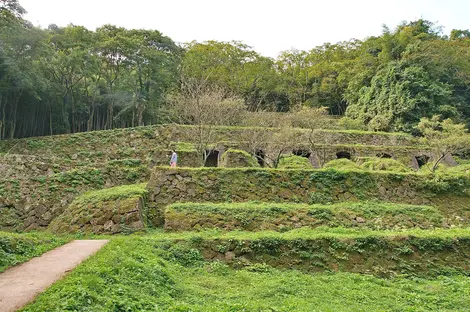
column 234, row 158
column 294, row 162
column 139, row 274
column 341, row 164
column 114, row 193
column 19, row 248
column 205, row 108
column 445, row 137
column 351, row 124
column 385, row 164
column 70, row 79
column 255, row 216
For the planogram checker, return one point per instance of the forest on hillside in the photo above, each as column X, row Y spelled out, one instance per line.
column 71, row 79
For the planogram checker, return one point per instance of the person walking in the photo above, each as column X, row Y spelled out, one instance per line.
column 174, row 159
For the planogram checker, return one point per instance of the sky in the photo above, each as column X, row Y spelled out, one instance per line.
column 268, row 26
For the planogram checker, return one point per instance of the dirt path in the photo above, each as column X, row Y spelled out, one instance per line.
column 21, row 284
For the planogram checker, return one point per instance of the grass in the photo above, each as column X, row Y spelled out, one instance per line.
column 255, row 216
column 294, row 162
column 136, row 274
column 317, row 233
column 341, row 164
column 385, row 164
column 114, row 193
column 19, row 248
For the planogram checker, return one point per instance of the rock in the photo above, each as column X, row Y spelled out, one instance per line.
column 137, row 225
column 360, row 220
column 108, row 226
column 229, row 256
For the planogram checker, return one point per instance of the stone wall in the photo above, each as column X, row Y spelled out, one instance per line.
column 150, row 144
column 381, row 256
column 33, row 203
column 284, row 217
column 97, row 213
column 217, row 185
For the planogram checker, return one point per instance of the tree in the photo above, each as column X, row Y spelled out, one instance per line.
column 444, row 137
column 11, row 7
column 205, row 109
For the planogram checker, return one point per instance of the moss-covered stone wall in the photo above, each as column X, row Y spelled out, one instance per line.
column 251, row 216
column 33, row 203
column 381, row 256
column 151, row 144
column 166, row 186
column 110, row 211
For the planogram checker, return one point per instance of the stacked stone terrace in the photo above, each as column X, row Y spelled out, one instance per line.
column 119, row 181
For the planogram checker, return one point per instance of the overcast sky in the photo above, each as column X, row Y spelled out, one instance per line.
column 268, row 26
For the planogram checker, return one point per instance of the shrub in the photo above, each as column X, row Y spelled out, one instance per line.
column 343, row 164
column 385, row 164
column 234, row 158
column 351, row 124
column 294, row 162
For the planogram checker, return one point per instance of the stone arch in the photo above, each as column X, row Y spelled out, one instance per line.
column 302, row 153
column 212, row 159
column 343, row 154
column 422, row 160
column 260, row 156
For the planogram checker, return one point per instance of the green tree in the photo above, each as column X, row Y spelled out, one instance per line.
column 444, row 137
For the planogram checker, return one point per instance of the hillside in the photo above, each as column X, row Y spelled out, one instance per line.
column 364, row 207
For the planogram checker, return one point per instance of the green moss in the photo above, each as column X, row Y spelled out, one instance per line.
column 294, row 162
column 341, row 164
column 234, row 158
column 261, row 216
column 385, row 164
column 114, row 193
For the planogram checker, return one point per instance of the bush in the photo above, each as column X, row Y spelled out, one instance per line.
column 343, row 164
column 234, row 158
column 294, row 162
column 351, row 124
column 385, row 164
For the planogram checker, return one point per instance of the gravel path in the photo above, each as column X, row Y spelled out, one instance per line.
column 21, row 284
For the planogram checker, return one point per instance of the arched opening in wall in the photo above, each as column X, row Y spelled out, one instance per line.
column 260, row 158
column 343, row 154
column 212, row 159
column 384, row 155
column 422, row 160
column 302, row 153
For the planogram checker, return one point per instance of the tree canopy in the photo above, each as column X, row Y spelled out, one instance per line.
column 70, row 79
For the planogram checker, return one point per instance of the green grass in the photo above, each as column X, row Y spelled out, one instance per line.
column 114, row 193
column 255, row 216
column 341, row 164
column 385, row 164
column 294, row 162
column 136, row 274
column 317, row 233
column 19, row 248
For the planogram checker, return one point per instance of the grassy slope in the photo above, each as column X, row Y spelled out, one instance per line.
column 306, row 233
column 133, row 274
column 19, row 248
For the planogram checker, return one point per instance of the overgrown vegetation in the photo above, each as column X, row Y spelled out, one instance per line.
column 385, row 164
column 146, row 275
column 114, row 193
column 19, row 248
column 254, row 216
column 70, row 79
column 294, row 162
column 341, row 164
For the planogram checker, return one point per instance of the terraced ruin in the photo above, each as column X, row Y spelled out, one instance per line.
column 330, row 201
